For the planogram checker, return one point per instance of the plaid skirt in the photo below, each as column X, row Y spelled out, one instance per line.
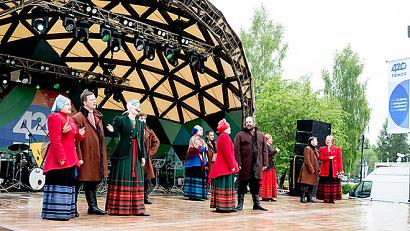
column 195, row 183
column 268, row 188
column 329, row 189
column 223, row 193
column 59, row 194
column 125, row 195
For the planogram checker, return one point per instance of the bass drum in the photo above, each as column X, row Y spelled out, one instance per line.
column 37, row 179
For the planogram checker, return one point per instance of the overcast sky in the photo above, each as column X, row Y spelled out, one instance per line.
column 314, row 30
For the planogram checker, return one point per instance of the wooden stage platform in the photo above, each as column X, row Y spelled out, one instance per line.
column 21, row 211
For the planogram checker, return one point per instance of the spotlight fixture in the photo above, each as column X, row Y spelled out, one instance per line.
column 69, row 22
column 44, row 68
column 91, row 10
column 171, row 54
column 24, row 77
column 139, row 42
column 149, row 51
column 117, row 96
column 126, row 22
column 197, row 62
column 115, row 42
column 184, row 41
column 5, row 78
column 82, row 31
column 39, row 20
column 105, row 32
column 11, row 62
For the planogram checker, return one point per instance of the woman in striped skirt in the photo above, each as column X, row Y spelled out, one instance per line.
column 268, row 190
column 222, row 173
column 195, row 182
column 61, row 163
column 331, row 172
column 125, row 194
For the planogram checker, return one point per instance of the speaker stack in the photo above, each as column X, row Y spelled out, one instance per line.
column 304, row 130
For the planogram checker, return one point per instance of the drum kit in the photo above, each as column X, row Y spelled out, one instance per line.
column 18, row 169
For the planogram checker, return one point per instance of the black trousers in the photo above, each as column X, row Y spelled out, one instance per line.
column 87, row 185
column 254, row 185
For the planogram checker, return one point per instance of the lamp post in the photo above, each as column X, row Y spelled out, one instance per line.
column 361, row 158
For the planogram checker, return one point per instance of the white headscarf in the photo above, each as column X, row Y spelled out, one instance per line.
column 133, row 102
column 59, row 103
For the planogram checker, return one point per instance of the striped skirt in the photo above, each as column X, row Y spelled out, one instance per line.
column 268, row 188
column 59, row 195
column 223, row 193
column 329, row 189
column 195, row 183
column 125, row 194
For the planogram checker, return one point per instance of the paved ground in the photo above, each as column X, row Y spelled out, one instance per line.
column 21, row 211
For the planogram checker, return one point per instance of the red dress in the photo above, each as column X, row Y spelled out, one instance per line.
column 330, row 187
column 268, row 189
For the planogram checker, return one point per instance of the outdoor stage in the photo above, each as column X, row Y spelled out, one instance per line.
column 21, row 211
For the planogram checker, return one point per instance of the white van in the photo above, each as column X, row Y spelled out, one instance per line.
column 388, row 182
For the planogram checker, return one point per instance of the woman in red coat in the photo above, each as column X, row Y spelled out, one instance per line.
column 331, row 172
column 222, row 173
column 268, row 190
column 61, row 162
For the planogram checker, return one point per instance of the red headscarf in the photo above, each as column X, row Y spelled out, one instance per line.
column 222, row 126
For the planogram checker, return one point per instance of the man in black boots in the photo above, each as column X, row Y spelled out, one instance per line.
column 252, row 157
column 92, row 152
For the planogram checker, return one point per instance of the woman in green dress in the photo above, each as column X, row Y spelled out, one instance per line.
column 126, row 181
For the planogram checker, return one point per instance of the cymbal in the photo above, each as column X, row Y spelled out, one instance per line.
column 18, row 147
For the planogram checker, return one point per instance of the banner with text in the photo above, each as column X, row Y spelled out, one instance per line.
column 398, row 120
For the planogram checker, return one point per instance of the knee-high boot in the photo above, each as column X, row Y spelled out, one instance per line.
column 240, row 202
column 146, row 194
column 91, row 197
column 257, row 203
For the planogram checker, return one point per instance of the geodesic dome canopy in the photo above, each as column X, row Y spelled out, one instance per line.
column 206, row 73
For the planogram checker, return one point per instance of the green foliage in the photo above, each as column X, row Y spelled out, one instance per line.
column 388, row 145
column 347, row 187
column 283, row 102
column 343, row 84
column 264, row 48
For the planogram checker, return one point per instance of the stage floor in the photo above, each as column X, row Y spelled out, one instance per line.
column 21, row 211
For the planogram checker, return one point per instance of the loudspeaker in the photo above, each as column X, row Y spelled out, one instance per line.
column 305, row 129
column 313, row 126
column 295, row 166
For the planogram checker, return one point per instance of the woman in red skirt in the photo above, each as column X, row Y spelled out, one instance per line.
column 331, row 172
column 268, row 190
column 222, row 173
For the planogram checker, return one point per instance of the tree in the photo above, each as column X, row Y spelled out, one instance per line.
column 264, row 48
column 388, row 145
column 282, row 103
column 343, row 84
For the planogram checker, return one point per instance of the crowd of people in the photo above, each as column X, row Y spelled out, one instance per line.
column 222, row 168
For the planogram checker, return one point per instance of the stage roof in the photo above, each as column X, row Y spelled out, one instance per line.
column 179, row 93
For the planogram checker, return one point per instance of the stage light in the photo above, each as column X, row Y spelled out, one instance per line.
column 115, row 42
column 82, row 31
column 69, row 22
column 44, row 68
column 108, row 91
column 105, row 32
column 184, row 41
column 5, row 78
column 197, row 62
column 149, row 51
column 117, row 96
column 172, row 54
column 56, row 86
column 139, row 42
column 38, row 87
column 125, row 22
column 40, row 20
column 11, row 62
column 24, row 77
